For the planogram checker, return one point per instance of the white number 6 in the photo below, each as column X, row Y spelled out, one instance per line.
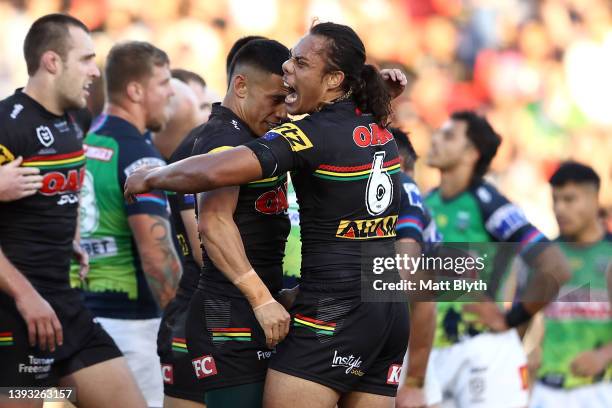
column 379, row 192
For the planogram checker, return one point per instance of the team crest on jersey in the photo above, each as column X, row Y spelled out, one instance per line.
column 45, row 136
column 383, row 227
column 293, row 134
column 5, row 155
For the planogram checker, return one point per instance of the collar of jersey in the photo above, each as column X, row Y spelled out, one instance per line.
column 34, row 103
column 117, row 126
column 226, row 114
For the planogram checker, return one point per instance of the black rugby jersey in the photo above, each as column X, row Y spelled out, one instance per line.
column 345, row 170
column 178, row 203
column 36, row 232
column 261, row 212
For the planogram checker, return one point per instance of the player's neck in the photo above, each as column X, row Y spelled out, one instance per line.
column 137, row 119
column 594, row 232
column 232, row 104
column 454, row 181
column 42, row 92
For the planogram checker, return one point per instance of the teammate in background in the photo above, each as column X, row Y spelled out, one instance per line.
column 134, row 266
column 415, row 230
column 47, row 336
column 181, row 387
column 326, row 359
column 576, row 363
column 204, row 95
column 17, row 181
column 475, row 366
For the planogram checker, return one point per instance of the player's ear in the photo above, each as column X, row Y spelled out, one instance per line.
column 239, row 85
column 50, row 61
column 134, row 91
column 334, row 79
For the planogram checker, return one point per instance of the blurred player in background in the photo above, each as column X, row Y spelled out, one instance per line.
column 181, row 386
column 415, row 231
column 576, row 359
column 47, row 336
column 479, row 360
column 204, row 94
column 134, row 266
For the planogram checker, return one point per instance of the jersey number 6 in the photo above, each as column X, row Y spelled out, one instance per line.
column 379, row 191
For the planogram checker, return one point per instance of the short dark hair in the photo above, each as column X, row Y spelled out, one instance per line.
column 131, row 61
column 483, row 137
column 405, row 148
column 235, row 48
column 49, row 33
column 265, row 55
column 186, row 76
column 574, row 172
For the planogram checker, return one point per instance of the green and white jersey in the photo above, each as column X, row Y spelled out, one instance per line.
column 478, row 214
column 115, row 286
column 572, row 327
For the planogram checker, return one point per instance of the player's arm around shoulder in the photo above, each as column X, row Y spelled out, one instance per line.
column 160, row 262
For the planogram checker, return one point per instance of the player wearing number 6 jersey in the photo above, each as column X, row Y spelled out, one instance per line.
column 345, row 169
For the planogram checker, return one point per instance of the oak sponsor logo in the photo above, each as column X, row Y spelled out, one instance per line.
column 351, row 363
column 372, row 136
column 204, row 366
column 167, row 373
column 293, row 134
column 383, row 227
column 56, row 182
column 393, row 375
column 272, row 202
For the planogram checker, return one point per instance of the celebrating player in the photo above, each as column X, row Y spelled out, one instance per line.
column 48, row 336
column 345, row 172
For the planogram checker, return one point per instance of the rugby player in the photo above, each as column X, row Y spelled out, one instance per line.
column 181, row 386
column 576, row 363
column 345, row 171
column 472, row 365
column 415, row 230
column 134, row 267
column 49, row 338
column 17, row 181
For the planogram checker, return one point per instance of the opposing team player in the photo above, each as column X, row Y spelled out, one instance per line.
column 134, row 267
column 475, row 366
column 181, row 386
column 415, row 231
column 48, row 336
column 204, row 94
column 347, row 183
column 576, row 363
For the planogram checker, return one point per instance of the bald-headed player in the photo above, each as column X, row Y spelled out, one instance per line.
column 181, row 386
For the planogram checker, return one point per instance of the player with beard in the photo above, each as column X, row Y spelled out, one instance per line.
column 347, row 183
column 181, row 387
column 576, row 360
column 134, row 267
column 48, row 337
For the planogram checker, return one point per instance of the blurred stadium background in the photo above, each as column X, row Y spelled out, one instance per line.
column 540, row 70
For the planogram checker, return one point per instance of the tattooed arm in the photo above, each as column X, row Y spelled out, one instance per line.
column 160, row 263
